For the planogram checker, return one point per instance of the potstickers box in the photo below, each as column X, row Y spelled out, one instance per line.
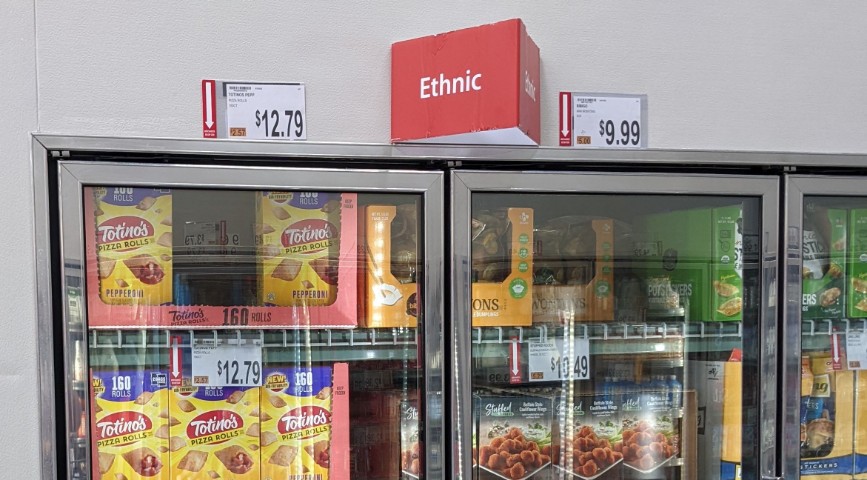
column 129, row 429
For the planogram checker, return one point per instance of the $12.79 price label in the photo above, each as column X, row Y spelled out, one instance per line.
column 227, row 365
column 558, row 360
column 266, row 111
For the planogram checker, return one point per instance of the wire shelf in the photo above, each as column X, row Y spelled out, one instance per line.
column 610, row 331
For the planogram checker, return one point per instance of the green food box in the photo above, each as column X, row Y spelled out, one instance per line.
column 824, row 259
column 727, row 272
column 857, row 294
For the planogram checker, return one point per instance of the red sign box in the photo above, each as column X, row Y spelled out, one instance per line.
column 478, row 85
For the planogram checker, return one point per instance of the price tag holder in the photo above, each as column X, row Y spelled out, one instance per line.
column 603, row 120
column 272, row 111
column 856, row 350
column 550, row 361
column 227, row 365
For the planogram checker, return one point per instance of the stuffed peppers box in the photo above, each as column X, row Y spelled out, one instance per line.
column 390, row 244
column 213, row 432
column 129, row 426
column 573, row 271
column 824, row 263
column 502, row 263
column 857, row 294
column 512, row 432
column 827, row 441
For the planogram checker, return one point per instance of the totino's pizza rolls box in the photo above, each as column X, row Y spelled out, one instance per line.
column 391, row 297
column 133, row 229
column 213, row 432
column 502, row 253
column 477, row 85
column 828, row 414
column 824, row 262
column 129, row 433
column 305, row 422
column 307, row 255
column 573, row 271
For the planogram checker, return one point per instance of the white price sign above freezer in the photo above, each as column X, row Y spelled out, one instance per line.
column 273, row 111
column 856, row 350
column 550, row 361
column 603, row 120
column 227, row 365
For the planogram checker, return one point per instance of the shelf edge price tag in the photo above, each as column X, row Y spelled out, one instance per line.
column 227, row 365
column 603, row 120
column 856, row 350
column 550, row 361
column 262, row 111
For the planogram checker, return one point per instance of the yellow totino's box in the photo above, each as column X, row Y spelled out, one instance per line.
column 214, row 432
column 391, row 257
column 502, row 252
column 592, row 301
column 130, row 436
column 133, row 229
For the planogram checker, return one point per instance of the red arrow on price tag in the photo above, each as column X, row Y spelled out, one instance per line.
column 565, row 119
column 175, row 363
column 515, row 361
column 209, row 109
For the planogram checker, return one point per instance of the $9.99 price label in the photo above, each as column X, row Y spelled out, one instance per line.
column 603, row 120
column 556, row 360
column 227, row 365
column 266, row 111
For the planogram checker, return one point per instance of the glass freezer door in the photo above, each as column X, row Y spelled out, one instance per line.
column 272, row 332
column 617, row 326
column 826, row 387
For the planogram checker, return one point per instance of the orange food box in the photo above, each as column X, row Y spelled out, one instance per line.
column 130, row 437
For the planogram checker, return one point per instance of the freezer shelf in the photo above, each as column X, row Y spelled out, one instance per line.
column 816, row 334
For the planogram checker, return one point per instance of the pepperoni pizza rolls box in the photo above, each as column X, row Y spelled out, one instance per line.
column 214, row 432
column 133, row 244
column 129, row 434
column 391, row 252
column 305, row 423
column 513, row 433
column 308, row 254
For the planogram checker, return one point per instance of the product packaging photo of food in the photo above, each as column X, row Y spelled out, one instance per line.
column 512, row 434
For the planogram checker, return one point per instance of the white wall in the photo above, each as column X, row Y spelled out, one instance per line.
column 729, row 75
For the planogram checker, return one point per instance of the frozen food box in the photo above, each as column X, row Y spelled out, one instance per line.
column 305, row 424
column 589, row 434
column 856, row 296
column 512, row 433
column 727, row 271
column 861, row 425
column 502, row 263
column 213, row 432
column 375, row 436
column 650, row 429
column 133, row 243
column 391, row 240
column 718, row 387
column 129, row 433
column 411, row 443
column 827, row 441
column 308, row 254
column 824, row 263
column 573, row 270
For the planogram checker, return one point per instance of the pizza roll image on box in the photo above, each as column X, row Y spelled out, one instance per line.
column 299, row 423
column 133, row 244
column 300, row 235
column 213, row 432
column 127, row 430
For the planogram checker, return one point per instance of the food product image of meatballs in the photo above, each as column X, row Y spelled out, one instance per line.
column 590, row 455
column 411, row 459
column 512, row 456
column 644, row 448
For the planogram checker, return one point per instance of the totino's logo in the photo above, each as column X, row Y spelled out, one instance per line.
column 305, row 421
column 214, row 423
column 123, row 424
column 310, row 235
column 122, row 229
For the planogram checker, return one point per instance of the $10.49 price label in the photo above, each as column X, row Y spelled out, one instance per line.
column 266, row 111
column 603, row 120
column 558, row 360
column 227, row 365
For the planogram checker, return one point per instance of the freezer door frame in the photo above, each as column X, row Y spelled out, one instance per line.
column 464, row 183
column 797, row 187
column 73, row 176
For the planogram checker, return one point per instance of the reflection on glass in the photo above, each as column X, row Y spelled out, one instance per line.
column 608, row 334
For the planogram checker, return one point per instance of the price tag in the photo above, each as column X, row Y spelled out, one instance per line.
column 603, row 120
column 227, row 365
column 550, row 361
column 273, row 111
column 856, row 350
